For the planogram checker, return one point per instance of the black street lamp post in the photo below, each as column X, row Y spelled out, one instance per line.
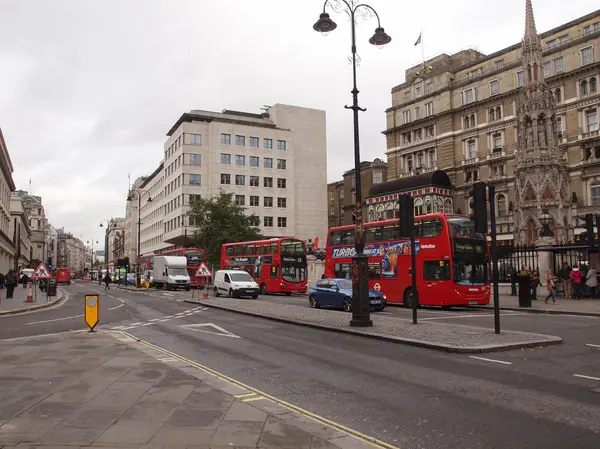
column 91, row 242
column 140, row 194
column 360, row 284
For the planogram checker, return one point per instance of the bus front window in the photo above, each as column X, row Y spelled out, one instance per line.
column 467, row 273
column 293, row 271
column 463, row 227
column 194, row 257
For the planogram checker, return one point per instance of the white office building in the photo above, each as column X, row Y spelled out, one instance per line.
column 275, row 164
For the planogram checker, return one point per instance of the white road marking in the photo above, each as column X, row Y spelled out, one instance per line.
column 592, row 346
column 586, row 377
column 162, row 321
column 580, row 316
column 146, row 324
column 449, row 317
column 56, row 319
column 120, row 305
column 490, row 360
column 155, row 319
column 221, row 332
column 135, row 324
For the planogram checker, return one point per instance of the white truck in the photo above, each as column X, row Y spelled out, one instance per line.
column 170, row 273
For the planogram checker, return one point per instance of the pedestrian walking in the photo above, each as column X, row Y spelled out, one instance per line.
column 107, row 281
column 11, row 282
column 24, row 280
column 2, row 280
column 576, row 281
column 535, row 282
column 550, row 286
column 513, row 281
column 591, row 281
column 565, row 276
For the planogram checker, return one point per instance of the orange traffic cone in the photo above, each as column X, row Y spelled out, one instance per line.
column 30, row 293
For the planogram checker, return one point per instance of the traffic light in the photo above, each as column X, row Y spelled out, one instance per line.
column 589, row 228
column 478, row 207
column 406, row 206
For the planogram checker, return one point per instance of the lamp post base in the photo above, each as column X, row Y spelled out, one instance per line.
column 361, row 306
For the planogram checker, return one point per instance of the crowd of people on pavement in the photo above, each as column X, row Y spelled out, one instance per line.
column 575, row 281
column 9, row 280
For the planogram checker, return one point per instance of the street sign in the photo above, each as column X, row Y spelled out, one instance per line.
column 92, row 311
column 41, row 272
column 203, row 271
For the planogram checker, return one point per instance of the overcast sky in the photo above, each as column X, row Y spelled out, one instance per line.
column 88, row 89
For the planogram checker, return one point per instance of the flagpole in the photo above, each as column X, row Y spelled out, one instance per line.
column 422, row 49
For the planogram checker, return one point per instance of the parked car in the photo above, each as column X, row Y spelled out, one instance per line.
column 337, row 293
column 235, row 283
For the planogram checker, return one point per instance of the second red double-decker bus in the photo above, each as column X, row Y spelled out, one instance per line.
column 452, row 260
column 277, row 265
column 194, row 256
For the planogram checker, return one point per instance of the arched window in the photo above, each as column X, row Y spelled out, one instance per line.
column 371, row 215
column 448, row 206
column 593, row 85
column 472, row 120
column 501, row 205
column 428, row 206
column 498, row 112
column 558, row 95
column 492, row 113
column 531, row 232
column 583, row 87
column 418, row 207
column 466, row 122
column 389, row 212
column 595, row 193
column 439, row 205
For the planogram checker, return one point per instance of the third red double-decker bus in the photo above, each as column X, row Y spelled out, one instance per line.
column 452, row 260
column 277, row 265
column 194, row 256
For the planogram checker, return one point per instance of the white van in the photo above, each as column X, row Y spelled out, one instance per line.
column 235, row 283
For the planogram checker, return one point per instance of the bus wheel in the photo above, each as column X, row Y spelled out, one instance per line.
column 347, row 305
column 263, row 289
column 216, row 292
column 446, row 307
column 408, row 297
column 288, row 293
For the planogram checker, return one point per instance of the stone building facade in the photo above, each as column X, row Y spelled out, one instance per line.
column 341, row 195
column 524, row 119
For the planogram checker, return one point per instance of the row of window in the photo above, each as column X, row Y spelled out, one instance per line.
column 281, row 222
column 427, row 111
column 240, row 200
column 254, row 142
column 421, row 159
column 254, row 161
column 254, row 181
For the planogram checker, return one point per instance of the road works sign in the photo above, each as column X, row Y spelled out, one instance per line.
column 203, row 271
column 92, row 311
column 41, row 272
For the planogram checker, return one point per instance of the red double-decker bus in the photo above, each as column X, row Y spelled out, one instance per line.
column 277, row 265
column 194, row 256
column 452, row 260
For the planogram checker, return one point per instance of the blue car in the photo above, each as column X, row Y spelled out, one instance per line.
column 337, row 293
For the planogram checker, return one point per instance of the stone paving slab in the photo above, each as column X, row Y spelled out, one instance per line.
column 19, row 304
column 441, row 336
column 126, row 397
column 582, row 307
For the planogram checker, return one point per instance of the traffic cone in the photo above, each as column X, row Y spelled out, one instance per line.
column 30, row 293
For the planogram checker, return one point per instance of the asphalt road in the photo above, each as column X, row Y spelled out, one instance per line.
column 409, row 397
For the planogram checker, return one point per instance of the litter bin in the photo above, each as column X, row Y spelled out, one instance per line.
column 524, row 281
column 51, row 288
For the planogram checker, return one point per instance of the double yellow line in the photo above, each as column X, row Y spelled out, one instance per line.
column 255, row 394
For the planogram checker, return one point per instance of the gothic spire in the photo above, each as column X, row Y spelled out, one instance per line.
column 532, row 49
column 530, row 31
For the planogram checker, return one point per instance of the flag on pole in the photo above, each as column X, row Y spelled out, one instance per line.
column 418, row 40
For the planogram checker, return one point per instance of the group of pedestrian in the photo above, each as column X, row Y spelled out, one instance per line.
column 10, row 281
column 573, row 280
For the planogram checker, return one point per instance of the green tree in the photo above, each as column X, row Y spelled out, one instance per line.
column 219, row 220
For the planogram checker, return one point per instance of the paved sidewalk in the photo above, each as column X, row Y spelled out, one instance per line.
column 91, row 389
column 586, row 307
column 442, row 336
column 19, row 304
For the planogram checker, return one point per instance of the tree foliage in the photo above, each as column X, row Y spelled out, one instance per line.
column 219, row 220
